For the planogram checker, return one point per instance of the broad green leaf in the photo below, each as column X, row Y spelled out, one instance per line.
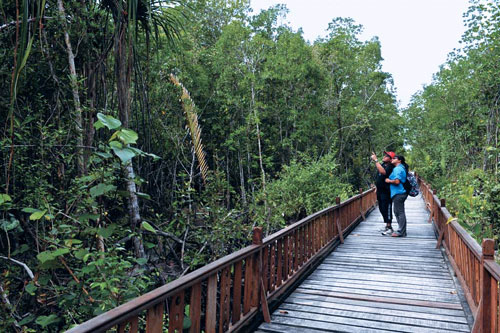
column 27, row 320
column 103, row 154
column 23, row 248
column 45, row 321
column 71, row 242
column 149, row 245
column 127, row 136
column 9, row 224
column 37, row 215
column 115, row 144
column 146, row 226
column 88, row 269
column 31, row 288
column 114, row 136
column 155, row 157
column 101, row 189
column 30, row 210
column 109, row 121
column 143, row 195
column 81, row 253
column 86, row 217
column 186, row 323
column 98, row 125
column 4, row 198
column 142, row 261
column 106, row 232
column 124, row 154
column 51, row 255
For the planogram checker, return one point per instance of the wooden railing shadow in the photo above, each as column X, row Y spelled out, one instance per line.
column 227, row 294
column 474, row 265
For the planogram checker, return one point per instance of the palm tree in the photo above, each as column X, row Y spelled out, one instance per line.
column 132, row 17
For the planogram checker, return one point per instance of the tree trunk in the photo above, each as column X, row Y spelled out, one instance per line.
column 74, row 88
column 123, row 58
column 261, row 164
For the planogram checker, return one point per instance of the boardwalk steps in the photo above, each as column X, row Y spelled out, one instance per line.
column 375, row 283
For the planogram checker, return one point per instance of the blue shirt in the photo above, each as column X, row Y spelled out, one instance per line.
column 399, row 172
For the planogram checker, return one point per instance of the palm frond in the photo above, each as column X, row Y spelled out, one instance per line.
column 194, row 127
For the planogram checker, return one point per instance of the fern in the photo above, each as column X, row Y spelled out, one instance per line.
column 194, row 127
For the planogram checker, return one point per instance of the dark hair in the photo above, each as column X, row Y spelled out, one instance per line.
column 403, row 161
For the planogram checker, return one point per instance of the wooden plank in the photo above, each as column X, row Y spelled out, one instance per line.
column 403, row 319
column 358, row 324
column 225, row 294
column 291, row 252
column 387, row 287
column 211, row 311
column 154, row 319
column 255, row 283
column 265, row 306
column 384, row 277
column 247, row 294
column 286, row 258
column 265, row 267
column 430, row 296
column 494, row 305
column 132, row 324
column 272, row 268
column 377, row 306
column 279, row 263
column 296, row 262
column 456, row 306
column 176, row 313
column 237, row 292
column 195, row 308
column 339, row 226
column 440, row 238
column 285, row 324
column 368, row 307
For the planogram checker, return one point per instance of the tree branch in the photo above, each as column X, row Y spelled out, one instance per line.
column 28, row 270
column 6, row 25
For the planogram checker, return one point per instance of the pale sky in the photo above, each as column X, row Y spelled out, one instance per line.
column 416, row 35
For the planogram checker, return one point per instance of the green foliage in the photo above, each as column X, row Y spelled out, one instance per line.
column 303, row 187
column 270, row 105
column 453, row 124
column 474, row 199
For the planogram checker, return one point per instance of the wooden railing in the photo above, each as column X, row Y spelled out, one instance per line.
column 474, row 265
column 225, row 295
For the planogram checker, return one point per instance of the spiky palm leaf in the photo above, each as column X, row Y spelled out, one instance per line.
column 194, row 127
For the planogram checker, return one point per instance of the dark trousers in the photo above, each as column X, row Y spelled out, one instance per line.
column 385, row 205
column 399, row 211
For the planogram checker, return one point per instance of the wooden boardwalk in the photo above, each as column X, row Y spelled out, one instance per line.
column 375, row 283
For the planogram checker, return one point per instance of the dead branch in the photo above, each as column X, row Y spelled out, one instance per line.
column 26, row 268
column 76, row 279
column 13, row 23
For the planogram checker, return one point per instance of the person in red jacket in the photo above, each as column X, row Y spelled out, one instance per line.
column 384, row 169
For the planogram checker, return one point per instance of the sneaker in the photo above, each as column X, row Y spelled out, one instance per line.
column 388, row 232
column 397, row 234
column 384, row 229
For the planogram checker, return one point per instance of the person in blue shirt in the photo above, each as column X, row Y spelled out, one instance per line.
column 398, row 193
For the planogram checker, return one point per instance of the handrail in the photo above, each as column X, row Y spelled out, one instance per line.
column 226, row 294
column 474, row 265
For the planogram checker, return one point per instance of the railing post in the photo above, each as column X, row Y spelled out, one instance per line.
column 337, row 222
column 257, row 236
column 257, row 240
column 361, row 204
column 485, row 314
column 443, row 226
column 430, row 204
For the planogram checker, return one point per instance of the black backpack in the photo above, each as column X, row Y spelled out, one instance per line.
column 411, row 185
